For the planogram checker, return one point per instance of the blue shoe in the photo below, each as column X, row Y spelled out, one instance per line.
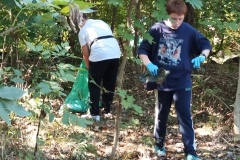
column 191, row 157
column 160, row 152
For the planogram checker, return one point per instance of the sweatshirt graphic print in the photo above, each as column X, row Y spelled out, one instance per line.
column 169, row 50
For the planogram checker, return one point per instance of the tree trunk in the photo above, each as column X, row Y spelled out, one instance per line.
column 189, row 18
column 136, row 35
column 237, row 111
column 119, row 85
column 114, row 17
column 118, row 108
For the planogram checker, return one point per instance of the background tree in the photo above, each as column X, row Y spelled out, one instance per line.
column 237, row 110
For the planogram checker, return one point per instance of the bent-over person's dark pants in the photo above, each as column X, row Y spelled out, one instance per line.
column 105, row 73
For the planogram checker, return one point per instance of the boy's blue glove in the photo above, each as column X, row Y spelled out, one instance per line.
column 197, row 61
column 153, row 69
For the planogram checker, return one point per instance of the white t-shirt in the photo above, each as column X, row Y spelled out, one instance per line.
column 101, row 49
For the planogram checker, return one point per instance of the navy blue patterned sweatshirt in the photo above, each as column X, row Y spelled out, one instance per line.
column 173, row 50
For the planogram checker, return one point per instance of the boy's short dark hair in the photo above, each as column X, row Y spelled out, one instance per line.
column 176, row 6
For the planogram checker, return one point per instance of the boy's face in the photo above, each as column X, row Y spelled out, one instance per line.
column 176, row 20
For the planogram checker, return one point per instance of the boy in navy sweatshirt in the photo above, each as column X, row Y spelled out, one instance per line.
column 174, row 45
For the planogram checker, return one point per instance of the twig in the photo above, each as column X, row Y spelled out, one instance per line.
column 12, row 29
column 227, row 141
column 222, row 102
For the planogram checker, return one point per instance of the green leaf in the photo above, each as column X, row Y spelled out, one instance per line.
column 16, row 108
column 11, row 93
column 53, row 83
column 137, row 108
column 122, row 93
column 40, row 141
column 43, row 85
column 89, row 10
column 207, row 23
column 128, row 37
column 62, row 73
column 137, row 60
column 56, row 48
column 130, row 99
column 46, row 54
column 4, row 114
column 46, row 18
column 160, row 15
column 31, row 46
column 17, row 72
column 65, row 11
column 139, row 24
column 26, row 2
column 123, row 126
column 51, row 117
column 44, row 88
column 18, row 4
column 56, row 87
column 17, row 80
column 148, row 37
column 1, row 71
column 125, row 104
column 73, row 119
column 115, row 2
column 60, row 2
column 83, row 122
column 232, row 25
column 39, row 48
column 135, row 121
column 7, row 69
column 70, row 78
column 220, row 26
column 195, row 3
column 84, row 5
column 66, row 66
column 65, row 118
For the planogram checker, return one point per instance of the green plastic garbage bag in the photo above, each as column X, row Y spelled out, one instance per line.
column 78, row 98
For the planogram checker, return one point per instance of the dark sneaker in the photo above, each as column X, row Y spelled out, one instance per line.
column 161, row 152
column 191, row 157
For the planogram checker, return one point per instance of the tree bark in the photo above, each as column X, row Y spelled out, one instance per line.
column 119, row 85
column 189, row 18
column 237, row 111
column 136, row 35
column 114, row 17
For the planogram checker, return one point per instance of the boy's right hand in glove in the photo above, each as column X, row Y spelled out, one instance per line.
column 198, row 61
column 153, row 69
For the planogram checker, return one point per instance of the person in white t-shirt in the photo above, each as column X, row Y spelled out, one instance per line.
column 101, row 53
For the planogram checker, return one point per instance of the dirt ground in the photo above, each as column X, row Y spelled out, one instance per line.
column 214, row 89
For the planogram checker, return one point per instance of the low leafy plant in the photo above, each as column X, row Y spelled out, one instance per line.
column 9, row 103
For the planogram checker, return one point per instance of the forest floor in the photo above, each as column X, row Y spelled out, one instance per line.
column 214, row 89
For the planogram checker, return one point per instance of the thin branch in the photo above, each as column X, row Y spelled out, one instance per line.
column 12, row 29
